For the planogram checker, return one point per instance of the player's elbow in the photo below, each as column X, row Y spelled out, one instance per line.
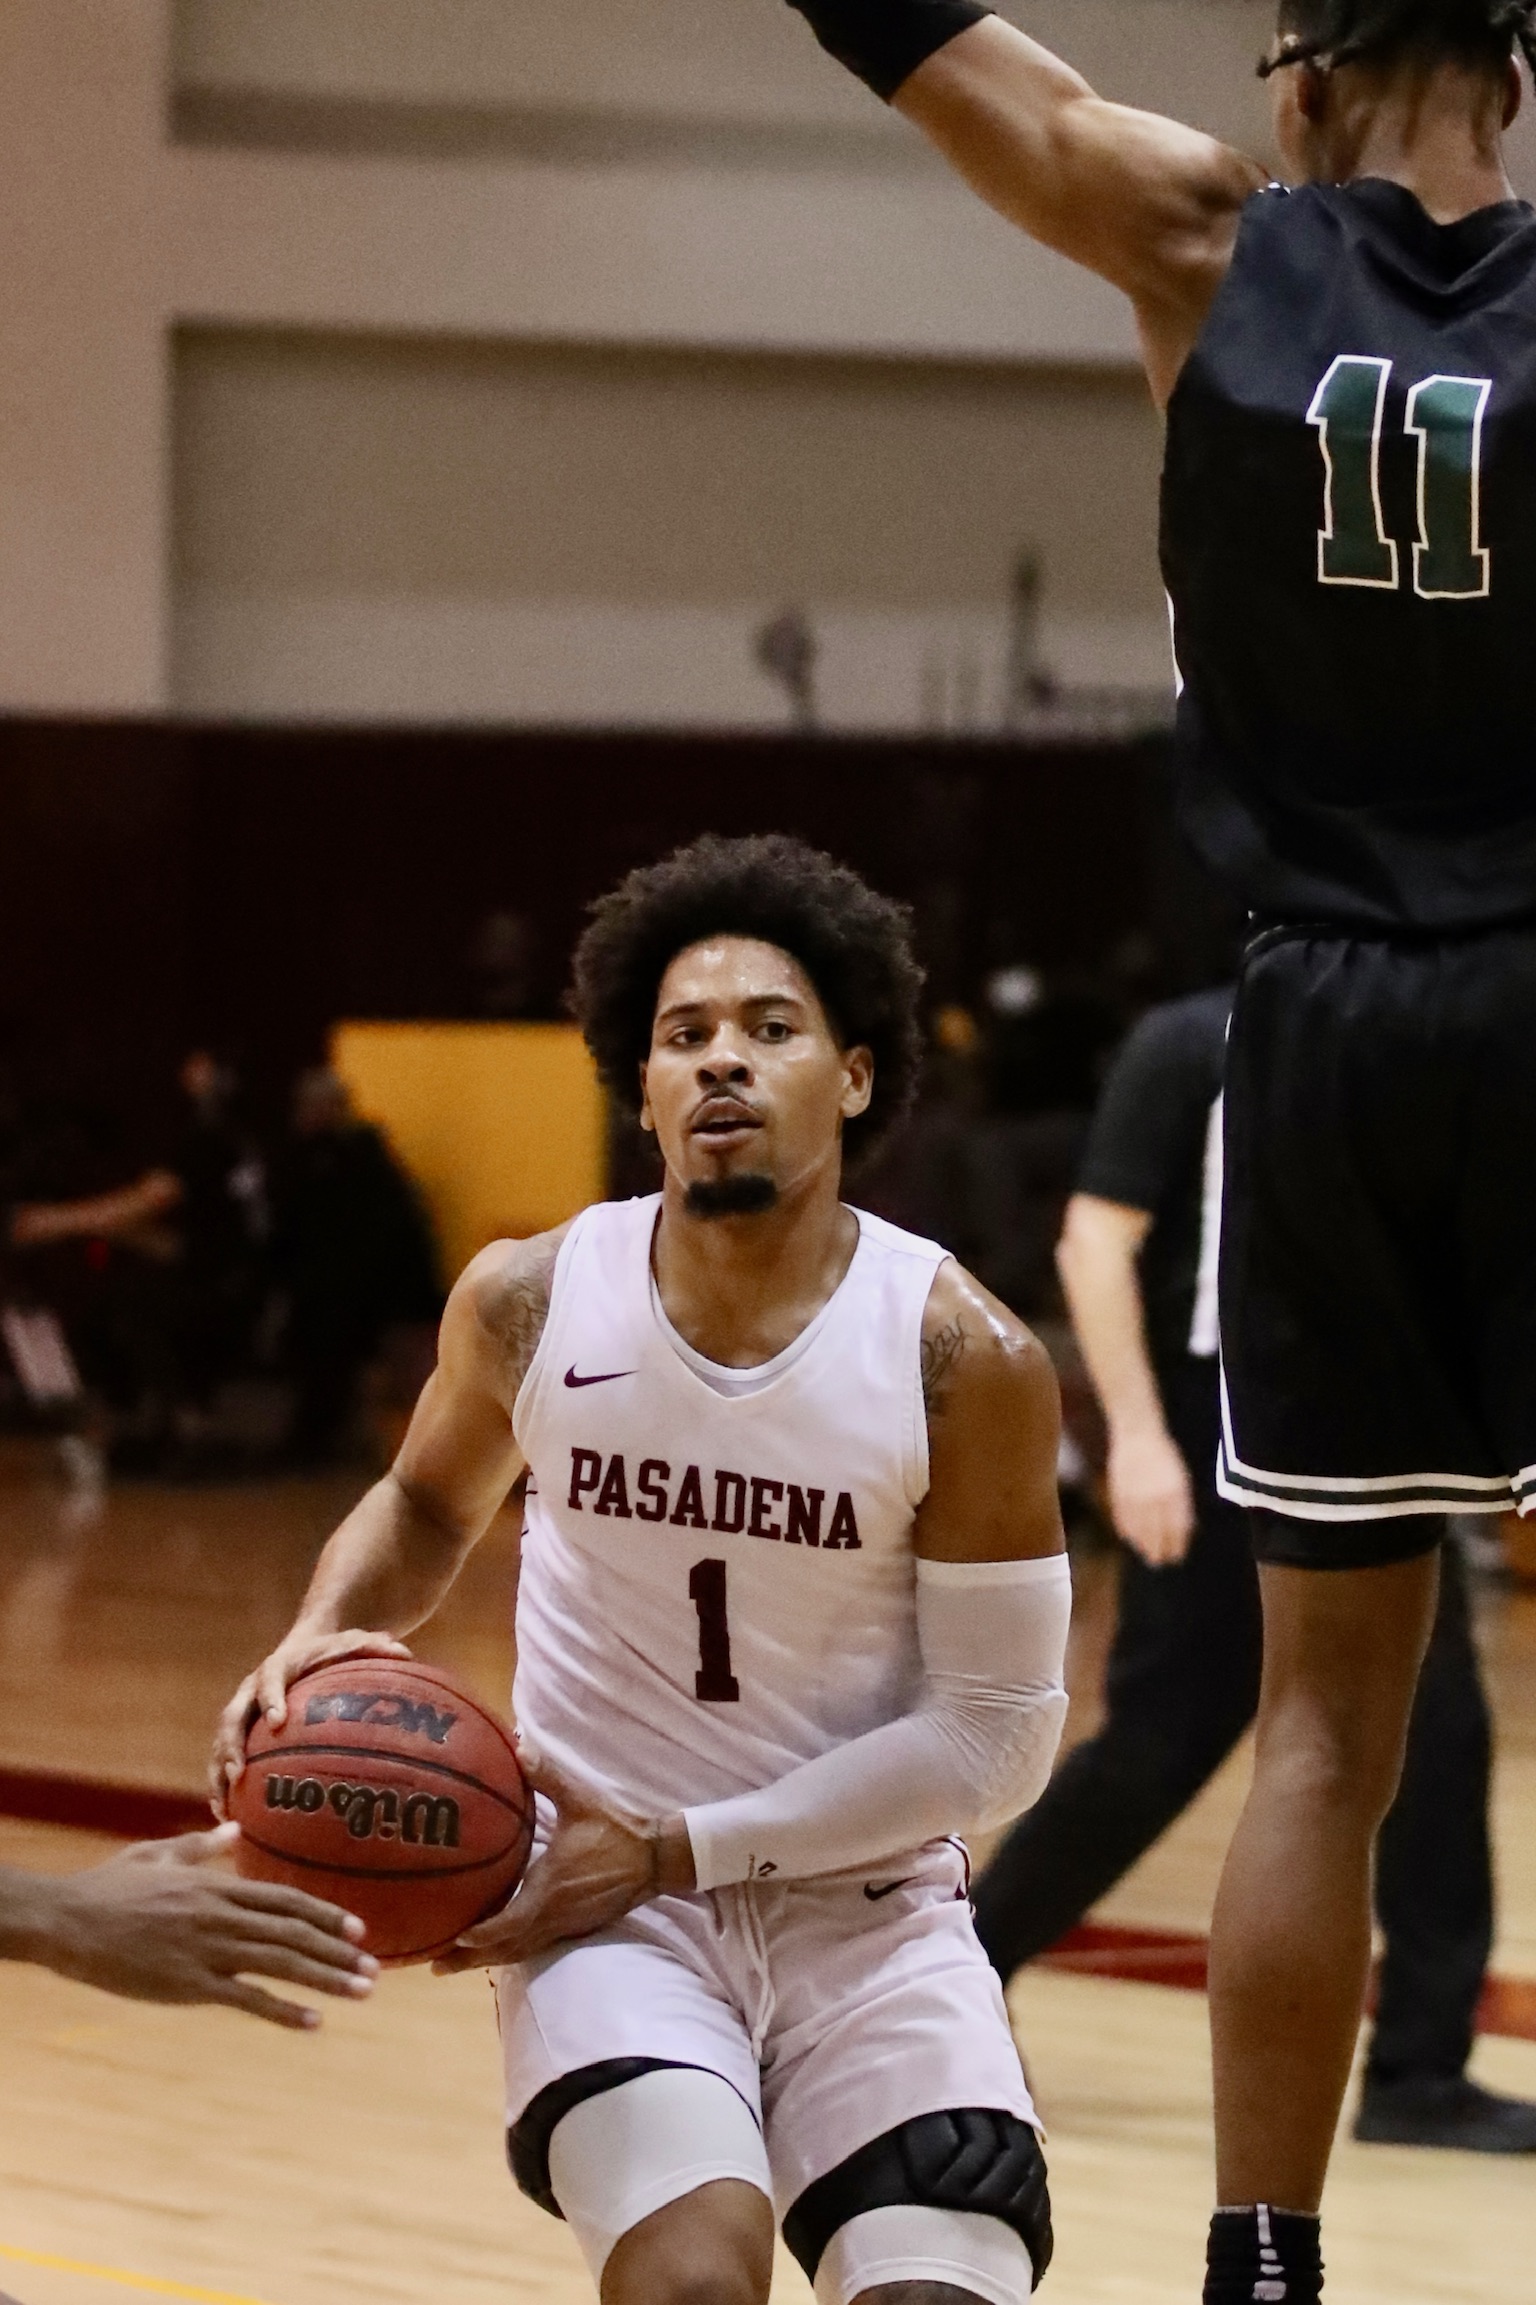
column 1024, row 1767
column 1097, row 1233
column 430, row 1522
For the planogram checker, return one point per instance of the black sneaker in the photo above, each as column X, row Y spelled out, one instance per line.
column 1454, row 2114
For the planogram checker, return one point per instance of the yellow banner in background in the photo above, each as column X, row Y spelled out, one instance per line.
column 502, row 1126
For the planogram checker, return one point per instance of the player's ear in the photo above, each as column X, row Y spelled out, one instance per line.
column 1514, row 91
column 647, row 1117
column 858, row 1082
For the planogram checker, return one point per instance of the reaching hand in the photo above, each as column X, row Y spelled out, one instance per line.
column 602, row 1860
column 154, row 1924
column 1150, row 1497
column 266, row 1692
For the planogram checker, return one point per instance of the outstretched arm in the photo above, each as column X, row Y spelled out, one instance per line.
column 1147, row 203
column 156, row 1923
column 395, row 1555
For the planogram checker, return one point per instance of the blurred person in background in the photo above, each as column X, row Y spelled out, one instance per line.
column 987, row 1160
column 1138, row 1263
column 160, row 1281
column 353, row 1254
column 223, row 1225
column 500, row 963
column 88, row 1311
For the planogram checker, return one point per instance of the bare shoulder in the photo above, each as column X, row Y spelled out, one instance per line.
column 994, row 1429
column 977, row 1356
column 501, row 1299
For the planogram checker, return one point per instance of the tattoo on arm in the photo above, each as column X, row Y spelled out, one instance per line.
column 515, row 1319
column 938, row 1356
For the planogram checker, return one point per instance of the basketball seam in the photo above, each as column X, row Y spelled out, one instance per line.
column 379, row 1872
column 380, row 1753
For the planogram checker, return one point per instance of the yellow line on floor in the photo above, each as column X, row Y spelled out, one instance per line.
column 123, row 2280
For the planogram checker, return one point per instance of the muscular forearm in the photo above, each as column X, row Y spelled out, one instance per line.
column 386, row 1568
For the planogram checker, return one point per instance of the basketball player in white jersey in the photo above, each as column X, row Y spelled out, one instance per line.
column 792, row 1612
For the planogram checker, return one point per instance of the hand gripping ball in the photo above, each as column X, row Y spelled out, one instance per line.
column 389, row 1791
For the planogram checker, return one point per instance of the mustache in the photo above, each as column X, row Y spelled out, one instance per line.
column 726, row 1101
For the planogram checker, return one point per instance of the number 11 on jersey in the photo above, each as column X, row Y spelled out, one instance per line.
column 1444, row 416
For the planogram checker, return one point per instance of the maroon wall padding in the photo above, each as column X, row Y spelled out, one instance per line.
column 132, row 1812
column 163, row 885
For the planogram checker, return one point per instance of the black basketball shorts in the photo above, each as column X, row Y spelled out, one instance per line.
column 1378, row 1253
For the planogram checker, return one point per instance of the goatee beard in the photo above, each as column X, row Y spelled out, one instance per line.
column 743, row 1196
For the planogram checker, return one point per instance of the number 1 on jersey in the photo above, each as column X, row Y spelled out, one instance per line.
column 1353, row 547
column 1445, row 416
column 714, row 1680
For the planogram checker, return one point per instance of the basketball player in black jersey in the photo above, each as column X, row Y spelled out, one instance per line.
column 1349, row 542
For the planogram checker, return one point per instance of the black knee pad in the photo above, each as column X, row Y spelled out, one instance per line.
column 975, row 2158
column 528, row 2140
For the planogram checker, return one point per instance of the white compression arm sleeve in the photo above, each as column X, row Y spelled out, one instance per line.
column 977, row 1750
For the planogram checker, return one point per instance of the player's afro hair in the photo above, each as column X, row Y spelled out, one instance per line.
column 853, row 944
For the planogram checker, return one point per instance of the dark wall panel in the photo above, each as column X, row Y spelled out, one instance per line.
column 164, row 885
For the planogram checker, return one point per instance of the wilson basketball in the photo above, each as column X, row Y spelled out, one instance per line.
column 389, row 1791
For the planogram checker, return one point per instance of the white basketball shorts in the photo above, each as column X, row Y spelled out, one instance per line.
column 835, row 2009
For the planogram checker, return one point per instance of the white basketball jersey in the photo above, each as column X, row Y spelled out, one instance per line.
column 717, row 1573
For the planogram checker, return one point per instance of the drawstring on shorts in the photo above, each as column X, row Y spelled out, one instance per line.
column 757, row 1958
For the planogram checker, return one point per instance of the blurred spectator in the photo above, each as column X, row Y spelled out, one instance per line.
column 988, row 1159
column 354, row 1257
column 501, row 965
column 88, row 1310
column 223, row 1227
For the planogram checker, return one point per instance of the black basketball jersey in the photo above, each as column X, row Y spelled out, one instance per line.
column 1349, row 545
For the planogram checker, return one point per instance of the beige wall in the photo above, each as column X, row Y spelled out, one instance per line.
column 83, row 412
column 451, row 530
column 655, row 321
column 748, row 61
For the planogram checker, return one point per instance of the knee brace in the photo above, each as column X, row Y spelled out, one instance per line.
column 976, row 2162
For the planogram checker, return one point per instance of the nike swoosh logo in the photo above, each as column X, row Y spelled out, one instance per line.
column 887, row 1889
column 611, row 1375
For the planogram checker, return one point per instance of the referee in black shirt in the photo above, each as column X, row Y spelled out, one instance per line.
column 1138, row 1261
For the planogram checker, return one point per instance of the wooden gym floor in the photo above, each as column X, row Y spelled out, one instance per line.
column 196, row 2154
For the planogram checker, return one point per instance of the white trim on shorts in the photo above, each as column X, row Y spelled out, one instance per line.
column 1384, row 1497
